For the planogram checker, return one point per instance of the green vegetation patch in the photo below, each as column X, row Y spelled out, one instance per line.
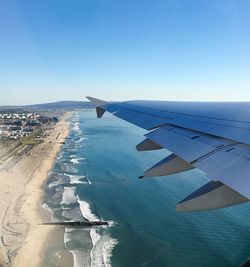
column 33, row 139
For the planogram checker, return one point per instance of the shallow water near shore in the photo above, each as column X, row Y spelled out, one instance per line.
column 95, row 177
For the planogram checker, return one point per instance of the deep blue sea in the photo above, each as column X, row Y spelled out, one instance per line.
column 96, row 177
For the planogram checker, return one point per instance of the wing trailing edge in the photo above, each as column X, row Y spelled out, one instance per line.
column 217, row 144
column 97, row 102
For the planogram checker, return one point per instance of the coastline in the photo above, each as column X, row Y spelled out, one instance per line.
column 31, row 254
column 23, row 239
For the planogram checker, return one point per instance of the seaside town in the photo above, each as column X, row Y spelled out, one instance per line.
column 14, row 126
column 29, row 143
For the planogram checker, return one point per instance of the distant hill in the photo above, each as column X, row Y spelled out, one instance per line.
column 62, row 105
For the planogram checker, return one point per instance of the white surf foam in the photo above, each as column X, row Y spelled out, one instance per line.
column 88, row 181
column 86, row 211
column 69, row 168
column 75, row 179
column 77, row 147
column 76, row 128
column 80, row 140
column 78, row 258
column 56, row 183
column 68, row 196
column 46, row 207
column 76, row 160
column 103, row 244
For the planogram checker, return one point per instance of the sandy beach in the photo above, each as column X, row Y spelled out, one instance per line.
column 22, row 177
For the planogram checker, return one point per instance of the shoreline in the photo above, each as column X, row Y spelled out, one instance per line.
column 31, row 253
column 23, row 239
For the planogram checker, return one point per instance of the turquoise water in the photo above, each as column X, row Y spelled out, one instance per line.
column 146, row 230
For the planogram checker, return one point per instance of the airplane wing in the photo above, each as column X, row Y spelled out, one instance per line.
column 213, row 137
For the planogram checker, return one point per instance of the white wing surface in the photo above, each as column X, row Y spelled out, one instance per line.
column 213, row 137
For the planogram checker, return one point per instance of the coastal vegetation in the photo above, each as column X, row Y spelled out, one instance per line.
column 33, row 139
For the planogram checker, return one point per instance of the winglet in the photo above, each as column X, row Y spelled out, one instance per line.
column 98, row 103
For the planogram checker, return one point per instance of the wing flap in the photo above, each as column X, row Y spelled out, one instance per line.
column 213, row 137
column 221, row 159
column 231, row 166
column 147, row 145
column 213, row 195
column 170, row 165
column 189, row 145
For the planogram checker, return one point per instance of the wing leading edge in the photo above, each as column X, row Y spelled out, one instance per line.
column 213, row 137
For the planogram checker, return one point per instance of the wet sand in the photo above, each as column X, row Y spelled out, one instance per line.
column 23, row 240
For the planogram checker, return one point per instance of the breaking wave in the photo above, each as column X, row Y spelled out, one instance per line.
column 68, row 196
column 75, row 179
column 89, row 246
column 103, row 243
column 76, row 160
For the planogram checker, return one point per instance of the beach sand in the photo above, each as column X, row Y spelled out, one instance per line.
column 23, row 240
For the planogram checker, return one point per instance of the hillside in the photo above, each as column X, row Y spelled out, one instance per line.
column 60, row 105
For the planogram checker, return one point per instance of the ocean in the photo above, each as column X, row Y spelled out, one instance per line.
column 95, row 177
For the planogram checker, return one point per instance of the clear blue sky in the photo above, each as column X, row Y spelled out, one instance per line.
column 132, row 49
